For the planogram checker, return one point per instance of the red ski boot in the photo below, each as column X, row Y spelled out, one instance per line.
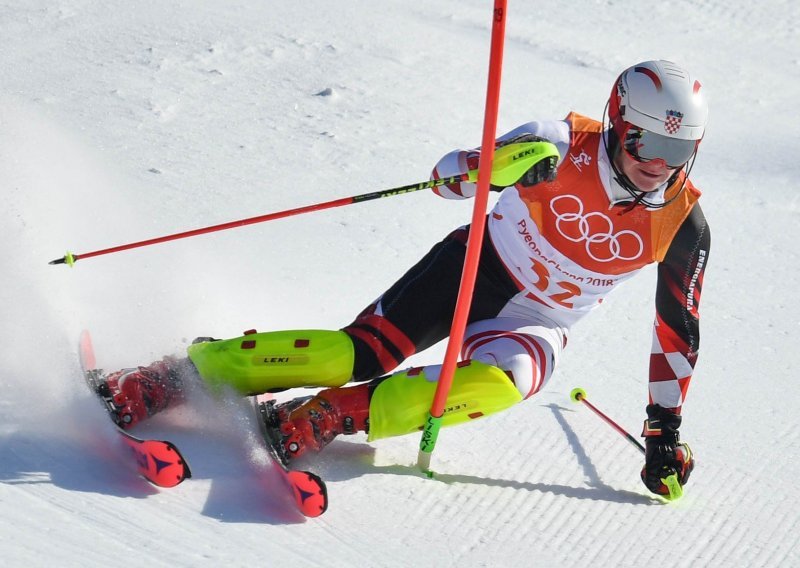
column 135, row 394
column 313, row 423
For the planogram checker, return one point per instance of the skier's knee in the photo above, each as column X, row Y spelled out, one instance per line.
column 527, row 360
column 525, row 372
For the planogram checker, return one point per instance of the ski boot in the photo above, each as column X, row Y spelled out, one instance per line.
column 301, row 424
column 132, row 395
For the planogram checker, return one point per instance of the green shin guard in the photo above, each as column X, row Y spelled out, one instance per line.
column 400, row 404
column 277, row 360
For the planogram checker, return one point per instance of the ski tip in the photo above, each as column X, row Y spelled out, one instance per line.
column 86, row 351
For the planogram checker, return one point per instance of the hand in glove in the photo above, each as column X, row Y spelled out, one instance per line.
column 665, row 454
column 542, row 170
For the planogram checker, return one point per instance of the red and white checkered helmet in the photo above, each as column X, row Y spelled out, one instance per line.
column 661, row 97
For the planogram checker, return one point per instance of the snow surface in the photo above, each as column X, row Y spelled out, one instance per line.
column 121, row 121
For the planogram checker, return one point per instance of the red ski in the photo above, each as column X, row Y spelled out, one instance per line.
column 309, row 491
column 158, row 461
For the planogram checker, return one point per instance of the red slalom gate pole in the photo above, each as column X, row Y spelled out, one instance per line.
column 434, row 421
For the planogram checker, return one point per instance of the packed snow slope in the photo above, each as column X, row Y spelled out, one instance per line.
column 121, row 121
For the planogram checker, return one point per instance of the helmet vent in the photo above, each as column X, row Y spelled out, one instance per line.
column 673, row 71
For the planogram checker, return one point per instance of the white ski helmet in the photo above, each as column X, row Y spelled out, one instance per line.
column 658, row 110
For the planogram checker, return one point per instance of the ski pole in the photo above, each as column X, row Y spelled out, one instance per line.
column 513, row 161
column 579, row 395
column 71, row 259
column 671, row 481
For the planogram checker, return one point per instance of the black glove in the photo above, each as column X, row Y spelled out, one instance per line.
column 544, row 170
column 665, row 454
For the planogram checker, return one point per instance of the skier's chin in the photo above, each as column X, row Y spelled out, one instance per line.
column 647, row 182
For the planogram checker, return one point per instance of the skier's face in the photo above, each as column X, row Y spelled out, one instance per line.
column 647, row 176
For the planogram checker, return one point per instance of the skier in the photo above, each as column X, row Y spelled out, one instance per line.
column 557, row 242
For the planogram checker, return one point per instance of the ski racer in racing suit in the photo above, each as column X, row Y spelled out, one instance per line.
column 557, row 242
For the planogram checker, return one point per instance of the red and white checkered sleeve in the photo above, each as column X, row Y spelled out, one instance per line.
column 455, row 163
column 676, row 332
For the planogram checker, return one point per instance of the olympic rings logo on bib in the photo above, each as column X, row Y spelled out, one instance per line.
column 595, row 230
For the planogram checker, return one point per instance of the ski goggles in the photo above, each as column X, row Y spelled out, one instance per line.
column 643, row 146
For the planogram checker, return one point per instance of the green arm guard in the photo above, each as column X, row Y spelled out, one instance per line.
column 513, row 160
